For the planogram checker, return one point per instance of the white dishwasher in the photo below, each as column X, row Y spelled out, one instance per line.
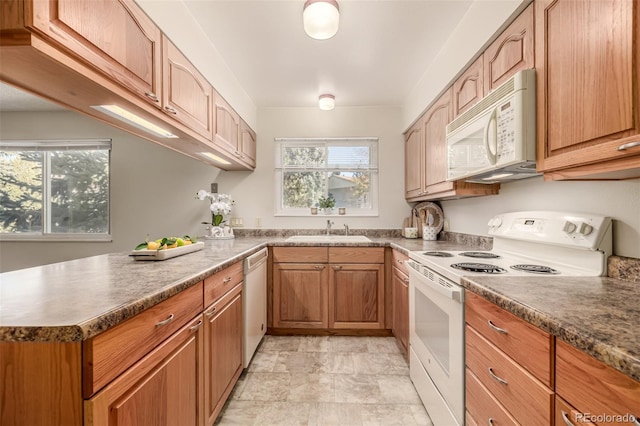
column 254, row 302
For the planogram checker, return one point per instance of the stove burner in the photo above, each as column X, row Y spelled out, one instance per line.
column 479, row 267
column 535, row 269
column 480, row 254
column 438, row 253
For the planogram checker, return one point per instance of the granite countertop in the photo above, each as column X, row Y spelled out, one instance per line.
column 78, row 299
column 597, row 315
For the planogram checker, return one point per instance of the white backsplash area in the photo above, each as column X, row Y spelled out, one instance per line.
column 618, row 199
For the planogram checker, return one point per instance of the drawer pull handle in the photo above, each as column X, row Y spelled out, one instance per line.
column 496, row 328
column 226, row 280
column 405, row 280
column 171, row 110
column 165, row 322
column 400, row 261
column 626, row 146
column 319, row 267
column 636, row 420
column 565, row 417
column 213, row 311
column 490, row 421
column 337, row 267
column 496, row 378
column 151, row 96
column 197, row 326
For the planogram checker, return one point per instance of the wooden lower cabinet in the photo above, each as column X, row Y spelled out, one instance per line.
column 566, row 415
column 400, row 296
column 482, row 406
column 163, row 388
column 356, row 296
column 300, row 295
column 223, row 351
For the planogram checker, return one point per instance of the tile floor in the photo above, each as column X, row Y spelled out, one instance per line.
column 325, row 380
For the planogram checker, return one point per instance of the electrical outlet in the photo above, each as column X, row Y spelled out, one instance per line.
column 445, row 226
column 214, row 188
column 258, row 222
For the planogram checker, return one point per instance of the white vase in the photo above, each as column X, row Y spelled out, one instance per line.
column 327, row 210
column 216, row 232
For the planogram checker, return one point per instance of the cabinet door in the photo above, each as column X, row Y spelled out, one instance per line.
column 356, row 296
column 400, row 295
column 248, row 145
column 300, row 295
column 588, row 63
column 164, row 388
column 227, row 126
column 511, row 52
column 468, row 89
column 188, row 96
column 435, row 128
column 126, row 50
column 223, row 351
column 413, row 162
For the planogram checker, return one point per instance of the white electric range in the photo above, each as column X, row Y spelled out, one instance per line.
column 529, row 243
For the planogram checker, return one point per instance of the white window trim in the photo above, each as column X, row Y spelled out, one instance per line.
column 57, row 145
column 306, row 212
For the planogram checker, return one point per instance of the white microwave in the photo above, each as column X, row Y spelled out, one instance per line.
column 495, row 140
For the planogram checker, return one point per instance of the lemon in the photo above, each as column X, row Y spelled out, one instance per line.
column 153, row 245
column 186, row 242
column 174, row 245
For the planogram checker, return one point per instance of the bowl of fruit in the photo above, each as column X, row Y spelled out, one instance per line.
column 166, row 248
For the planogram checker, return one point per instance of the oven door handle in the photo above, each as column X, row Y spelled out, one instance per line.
column 453, row 293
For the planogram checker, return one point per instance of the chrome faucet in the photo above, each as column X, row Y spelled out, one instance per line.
column 346, row 229
column 329, row 223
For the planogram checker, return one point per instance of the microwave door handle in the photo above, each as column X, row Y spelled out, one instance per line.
column 491, row 155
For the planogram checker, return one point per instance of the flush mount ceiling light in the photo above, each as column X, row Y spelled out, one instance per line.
column 327, row 102
column 321, row 18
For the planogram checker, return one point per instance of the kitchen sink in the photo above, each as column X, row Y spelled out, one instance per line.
column 329, row 239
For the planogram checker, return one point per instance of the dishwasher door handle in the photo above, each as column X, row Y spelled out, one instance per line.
column 255, row 260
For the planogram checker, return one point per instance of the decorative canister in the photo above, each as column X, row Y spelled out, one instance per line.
column 411, row 232
column 430, row 233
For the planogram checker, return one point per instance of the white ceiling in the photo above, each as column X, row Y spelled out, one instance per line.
column 380, row 52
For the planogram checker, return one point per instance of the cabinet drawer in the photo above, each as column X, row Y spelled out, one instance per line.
column 482, row 406
column 218, row 284
column 356, row 254
column 301, row 254
column 399, row 261
column 112, row 352
column 593, row 387
column 526, row 344
column 524, row 397
column 566, row 415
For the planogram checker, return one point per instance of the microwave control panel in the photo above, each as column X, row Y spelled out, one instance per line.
column 506, row 131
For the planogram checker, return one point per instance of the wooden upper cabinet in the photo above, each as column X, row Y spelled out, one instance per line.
column 588, row 90
column 187, row 95
column 435, row 126
column 248, row 144
column 227, row 126
column 414, row 162
column 468, row 89
column 511, row 52
column 115, row 37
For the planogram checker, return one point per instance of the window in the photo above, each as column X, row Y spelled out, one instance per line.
column 346, row 169
column 54, row 190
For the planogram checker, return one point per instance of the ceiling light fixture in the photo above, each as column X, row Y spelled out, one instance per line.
column 327, row 102
column 321, row 18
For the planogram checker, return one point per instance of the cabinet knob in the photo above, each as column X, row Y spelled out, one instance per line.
column 626, row 146
column 152, row 96
column 165, row 322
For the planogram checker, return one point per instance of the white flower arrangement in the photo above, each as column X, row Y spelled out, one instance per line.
column 220, row 205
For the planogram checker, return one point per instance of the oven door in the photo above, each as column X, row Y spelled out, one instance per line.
column 436, row 338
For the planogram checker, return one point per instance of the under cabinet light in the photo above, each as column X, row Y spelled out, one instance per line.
column 128, row 117
column 215, row 158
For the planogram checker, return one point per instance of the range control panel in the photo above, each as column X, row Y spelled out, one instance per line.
column 578, row 230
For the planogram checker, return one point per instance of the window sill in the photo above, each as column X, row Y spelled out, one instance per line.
column 69, row 238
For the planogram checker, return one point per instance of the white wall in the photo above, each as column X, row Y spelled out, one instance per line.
column 618, row 199
column 254, row 192
column 152, row 189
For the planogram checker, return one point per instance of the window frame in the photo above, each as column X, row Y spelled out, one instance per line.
column 57, row 145
column 372, row 168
